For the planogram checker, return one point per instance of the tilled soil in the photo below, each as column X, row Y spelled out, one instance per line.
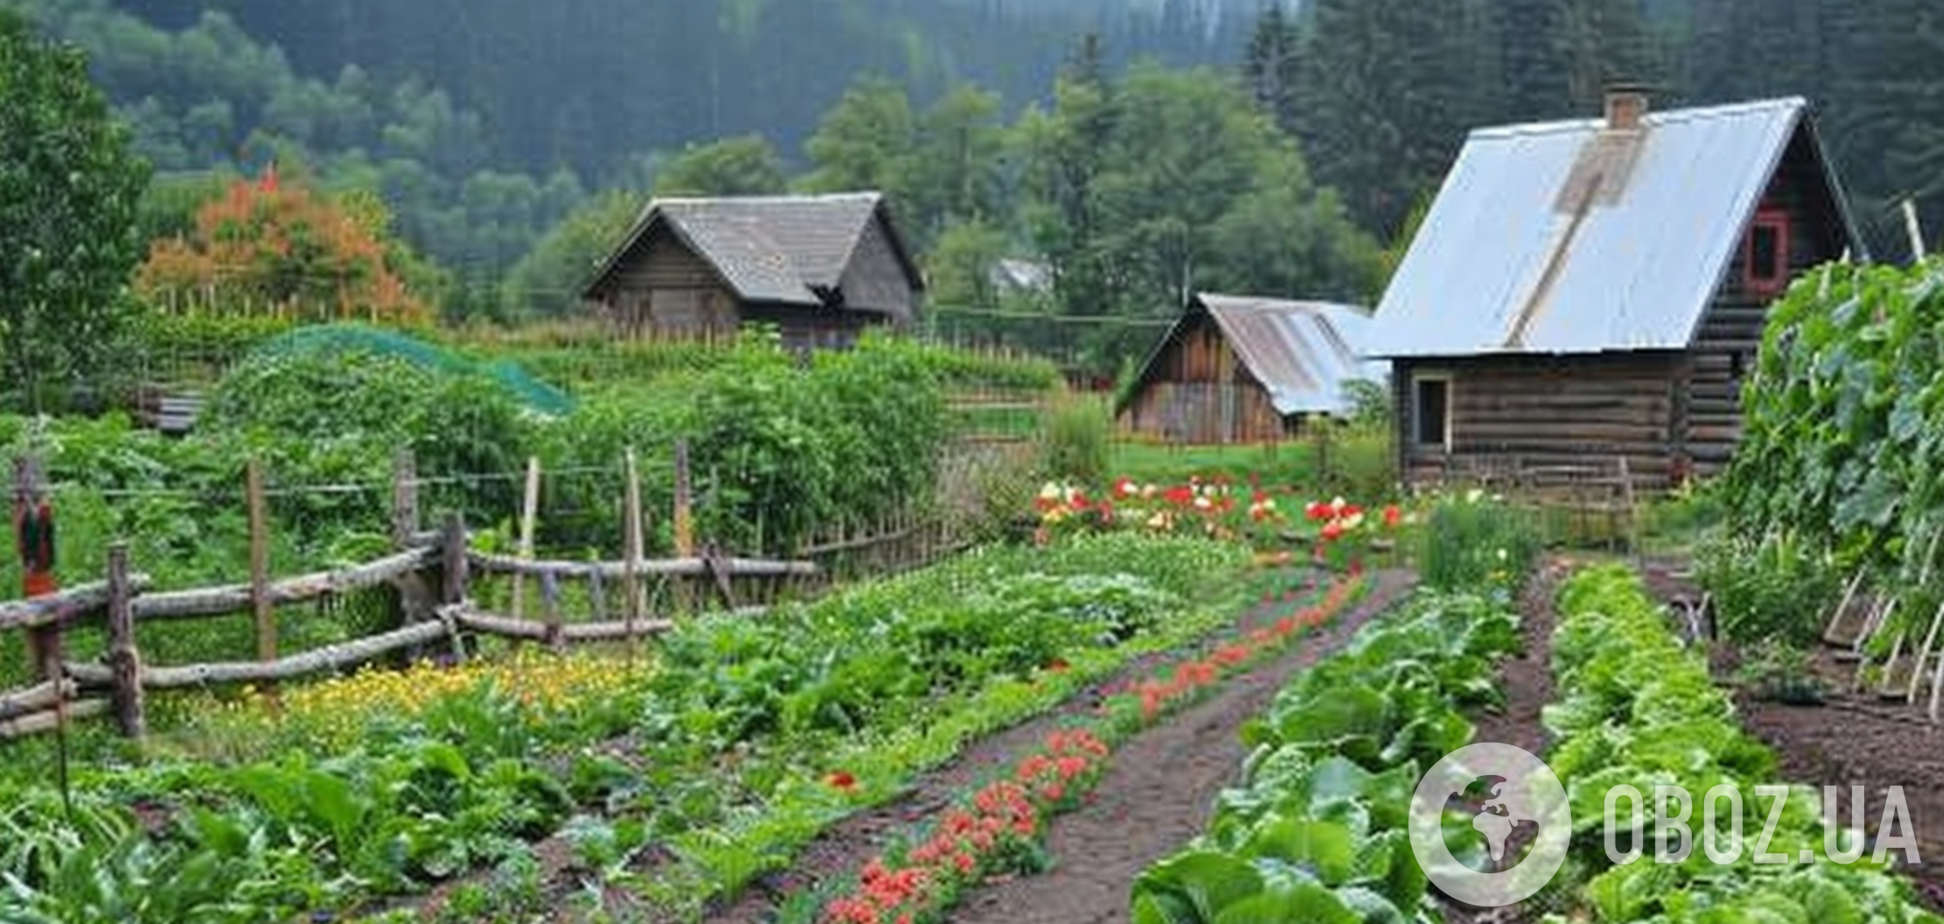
column 1157, row 794
column 1527, row 681
column 1852, row 740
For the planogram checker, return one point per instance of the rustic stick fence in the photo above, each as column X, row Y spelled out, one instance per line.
column 439, row 580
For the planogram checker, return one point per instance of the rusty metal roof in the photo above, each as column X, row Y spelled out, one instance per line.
column 1564, row 237
column 782, row 249
column 1303, row 353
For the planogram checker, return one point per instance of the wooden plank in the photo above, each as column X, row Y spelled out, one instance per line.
column 632, row 546
column 66, row 607
column 614, row 570
column 295, row 667
column 35, row 698
column 528, row 630
column 48, row 721
column 221, row 601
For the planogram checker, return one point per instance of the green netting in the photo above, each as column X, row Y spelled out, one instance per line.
column 354, row 338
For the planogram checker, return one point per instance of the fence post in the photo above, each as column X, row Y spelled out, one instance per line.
column 405, row 500
column 123, row 658
column 266, row 614
column 453, row 552
column 631, row 552
column 684, row 520
column 529, row 509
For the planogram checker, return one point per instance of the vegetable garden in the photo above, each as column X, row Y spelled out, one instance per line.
column 1171, row 700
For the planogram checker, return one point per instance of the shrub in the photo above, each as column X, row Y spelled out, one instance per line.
column 1775, row 587
column 1076, row 438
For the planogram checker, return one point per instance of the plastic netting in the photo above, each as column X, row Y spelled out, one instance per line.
column 351, row 338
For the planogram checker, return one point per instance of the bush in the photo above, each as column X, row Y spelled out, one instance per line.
column 1076, row 438
column 1776, row 587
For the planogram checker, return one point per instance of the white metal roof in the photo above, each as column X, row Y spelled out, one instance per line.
column 1566, row 238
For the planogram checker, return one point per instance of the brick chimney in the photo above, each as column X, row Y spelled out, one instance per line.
column 1626, row 104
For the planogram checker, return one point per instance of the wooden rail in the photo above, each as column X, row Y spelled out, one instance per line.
column 218, row 601
column 616, row 570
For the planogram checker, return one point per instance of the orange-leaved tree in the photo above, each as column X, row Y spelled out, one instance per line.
column 266, row 247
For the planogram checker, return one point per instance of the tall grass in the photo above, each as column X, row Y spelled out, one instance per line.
column 1076, row 438
column 1471, row 542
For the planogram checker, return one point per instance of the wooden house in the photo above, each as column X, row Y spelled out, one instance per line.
column 820, row 268
column 1247, row 370
column 1588, row 291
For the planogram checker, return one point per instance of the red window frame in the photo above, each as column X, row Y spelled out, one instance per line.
column 1776, row 278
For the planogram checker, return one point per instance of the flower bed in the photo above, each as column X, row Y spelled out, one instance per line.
column 1338, row 532
column 999, row 827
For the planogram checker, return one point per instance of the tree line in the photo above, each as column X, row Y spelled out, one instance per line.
column 1125, row 154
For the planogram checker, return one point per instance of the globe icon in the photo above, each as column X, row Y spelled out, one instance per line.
column 1518, row 831
column 1499, row 815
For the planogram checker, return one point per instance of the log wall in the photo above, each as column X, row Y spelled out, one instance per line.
column 1524, row 411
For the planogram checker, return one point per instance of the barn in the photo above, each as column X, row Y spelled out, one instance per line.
column 1590, row 294
column 1247, row 370
column 819, row 268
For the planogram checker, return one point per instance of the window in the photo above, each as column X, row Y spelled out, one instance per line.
column 1765, row 255
column 1432, row 409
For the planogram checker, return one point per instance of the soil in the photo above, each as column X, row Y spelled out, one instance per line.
column 1851, row 740
column 1526, row 679
column 1156, row 796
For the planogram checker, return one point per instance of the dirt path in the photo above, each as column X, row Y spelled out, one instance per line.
column 1527, row 681
column 1157, row 795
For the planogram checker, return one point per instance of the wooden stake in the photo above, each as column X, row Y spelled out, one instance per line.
column 1915, row 229
column 684, row 524
column 1923, row 655
column 266, row 612
column 529, row 510
column 123, row 658
column 631, row 564
column 405, row 505
column 1842, row 606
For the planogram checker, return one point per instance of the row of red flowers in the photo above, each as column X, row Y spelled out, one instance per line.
column 999, row 827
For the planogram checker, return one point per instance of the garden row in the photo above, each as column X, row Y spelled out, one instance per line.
column 1637, row 709
column 1319, row 828
column 676, row 780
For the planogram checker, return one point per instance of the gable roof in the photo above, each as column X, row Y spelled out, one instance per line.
column 1566, row 238
column 789, row 250
column 1303, row 353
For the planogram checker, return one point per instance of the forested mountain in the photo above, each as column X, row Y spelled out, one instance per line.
column 1004, row 127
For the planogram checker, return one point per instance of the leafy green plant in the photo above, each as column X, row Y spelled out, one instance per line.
column 1318, row 830
column 1637, row 708
column 1777, row 586
column 1475, row 541
column 1775, row 670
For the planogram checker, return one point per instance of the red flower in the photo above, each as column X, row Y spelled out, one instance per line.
column 1124, row 488
column 1332, row 531
column 1180, row 496
column 843, row 780
column 1319, row 511
column 1393, row 516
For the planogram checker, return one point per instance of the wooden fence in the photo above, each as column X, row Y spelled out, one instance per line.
column 440, row 581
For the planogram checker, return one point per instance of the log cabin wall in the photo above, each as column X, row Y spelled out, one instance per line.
column 1198, row 393
column 1514, row 412
column 664, row 285
column 1731, row 331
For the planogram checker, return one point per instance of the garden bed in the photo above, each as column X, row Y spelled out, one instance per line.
column 1849, row 740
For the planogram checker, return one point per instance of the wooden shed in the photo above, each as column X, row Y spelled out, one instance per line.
column 821, row 268
column 1589, row 291
column 1247, row 370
